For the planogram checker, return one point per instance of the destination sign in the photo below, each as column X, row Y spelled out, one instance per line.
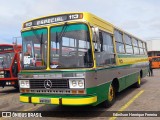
column 53, row 19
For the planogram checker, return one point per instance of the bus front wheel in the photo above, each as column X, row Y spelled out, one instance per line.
column 111, row 97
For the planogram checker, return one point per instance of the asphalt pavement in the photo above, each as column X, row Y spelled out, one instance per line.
column 130, row 105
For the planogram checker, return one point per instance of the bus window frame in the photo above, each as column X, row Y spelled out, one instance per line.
column 101, row 51
column 23, row 54
column 119, row 42
column 90, row 40
column 127, row 45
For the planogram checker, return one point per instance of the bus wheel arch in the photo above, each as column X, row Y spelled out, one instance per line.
column 115, row 83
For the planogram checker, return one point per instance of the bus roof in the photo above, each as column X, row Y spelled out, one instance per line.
column 64, row 17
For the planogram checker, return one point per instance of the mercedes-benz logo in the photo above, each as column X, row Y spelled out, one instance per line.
column 47, row 84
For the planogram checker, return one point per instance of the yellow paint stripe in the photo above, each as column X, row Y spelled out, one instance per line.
column 128, row 104
column 79, row 101
column 35, row 100
column 65, row 101
column 24, row 99
column 53, row 100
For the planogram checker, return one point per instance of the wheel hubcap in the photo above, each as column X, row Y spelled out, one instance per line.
column 110, row 93
column 139, row 80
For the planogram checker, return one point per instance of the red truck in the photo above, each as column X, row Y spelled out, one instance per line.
column 10, row 64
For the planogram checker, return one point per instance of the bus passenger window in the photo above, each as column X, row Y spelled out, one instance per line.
column 106, row 54
column 128, row 42
column 119, row 41
column 135, row 46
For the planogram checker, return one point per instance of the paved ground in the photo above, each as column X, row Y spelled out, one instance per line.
column 145, row 98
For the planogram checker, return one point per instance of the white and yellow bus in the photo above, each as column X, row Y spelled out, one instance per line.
column 83, row 60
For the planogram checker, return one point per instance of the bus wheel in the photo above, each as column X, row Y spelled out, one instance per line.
column 138, row 83
column 111, row 97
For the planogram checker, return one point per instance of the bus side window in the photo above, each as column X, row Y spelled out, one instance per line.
column 128, row 44
column 119, row 41
column 105, row 55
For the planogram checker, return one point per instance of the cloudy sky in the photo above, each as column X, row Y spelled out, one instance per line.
column 138, row 17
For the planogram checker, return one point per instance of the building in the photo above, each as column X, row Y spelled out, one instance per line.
column 153, row 46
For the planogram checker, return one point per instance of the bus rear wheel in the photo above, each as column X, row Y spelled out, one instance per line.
column 111, row 97
column 138, row 83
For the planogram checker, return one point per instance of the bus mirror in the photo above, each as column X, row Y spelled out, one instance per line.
column 96, row 30
column 95, row 34
column 96, row 38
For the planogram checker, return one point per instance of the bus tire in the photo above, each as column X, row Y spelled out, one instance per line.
column 138, row 83
column 111, row 97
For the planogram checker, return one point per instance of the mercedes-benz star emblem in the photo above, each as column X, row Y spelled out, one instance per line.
column 47, row 84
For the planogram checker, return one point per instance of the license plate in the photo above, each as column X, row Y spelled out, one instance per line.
column 45, row 100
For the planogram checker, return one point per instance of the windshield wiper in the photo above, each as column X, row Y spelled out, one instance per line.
column 62, row 31
column 41, row 43
column 58, row 37
column 38, row 38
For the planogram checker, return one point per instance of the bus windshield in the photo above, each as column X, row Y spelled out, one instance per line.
column 35, row 49
column 156, row 59
column 6, row 60
column 70, row 46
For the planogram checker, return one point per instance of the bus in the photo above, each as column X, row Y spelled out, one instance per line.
column 9, row 64
column 155, row 61
column 85, row 60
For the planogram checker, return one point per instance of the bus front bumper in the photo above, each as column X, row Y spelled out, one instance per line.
column 58, row 100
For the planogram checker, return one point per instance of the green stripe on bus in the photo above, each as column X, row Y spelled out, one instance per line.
column 69, row 28
column 54, row 95
column 34, row 32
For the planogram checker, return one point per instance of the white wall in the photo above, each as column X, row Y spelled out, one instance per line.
column 153, row 45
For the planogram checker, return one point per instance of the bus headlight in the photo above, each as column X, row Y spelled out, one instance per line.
column 24, row 84
column 80, row 83
column 76, row 83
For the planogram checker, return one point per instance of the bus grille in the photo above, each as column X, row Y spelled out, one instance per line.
column 56, row 83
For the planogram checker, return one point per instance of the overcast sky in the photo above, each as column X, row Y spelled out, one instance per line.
column 138, row 17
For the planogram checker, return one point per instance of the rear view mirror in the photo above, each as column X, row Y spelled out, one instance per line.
column 95, row 34
column 95, row 39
